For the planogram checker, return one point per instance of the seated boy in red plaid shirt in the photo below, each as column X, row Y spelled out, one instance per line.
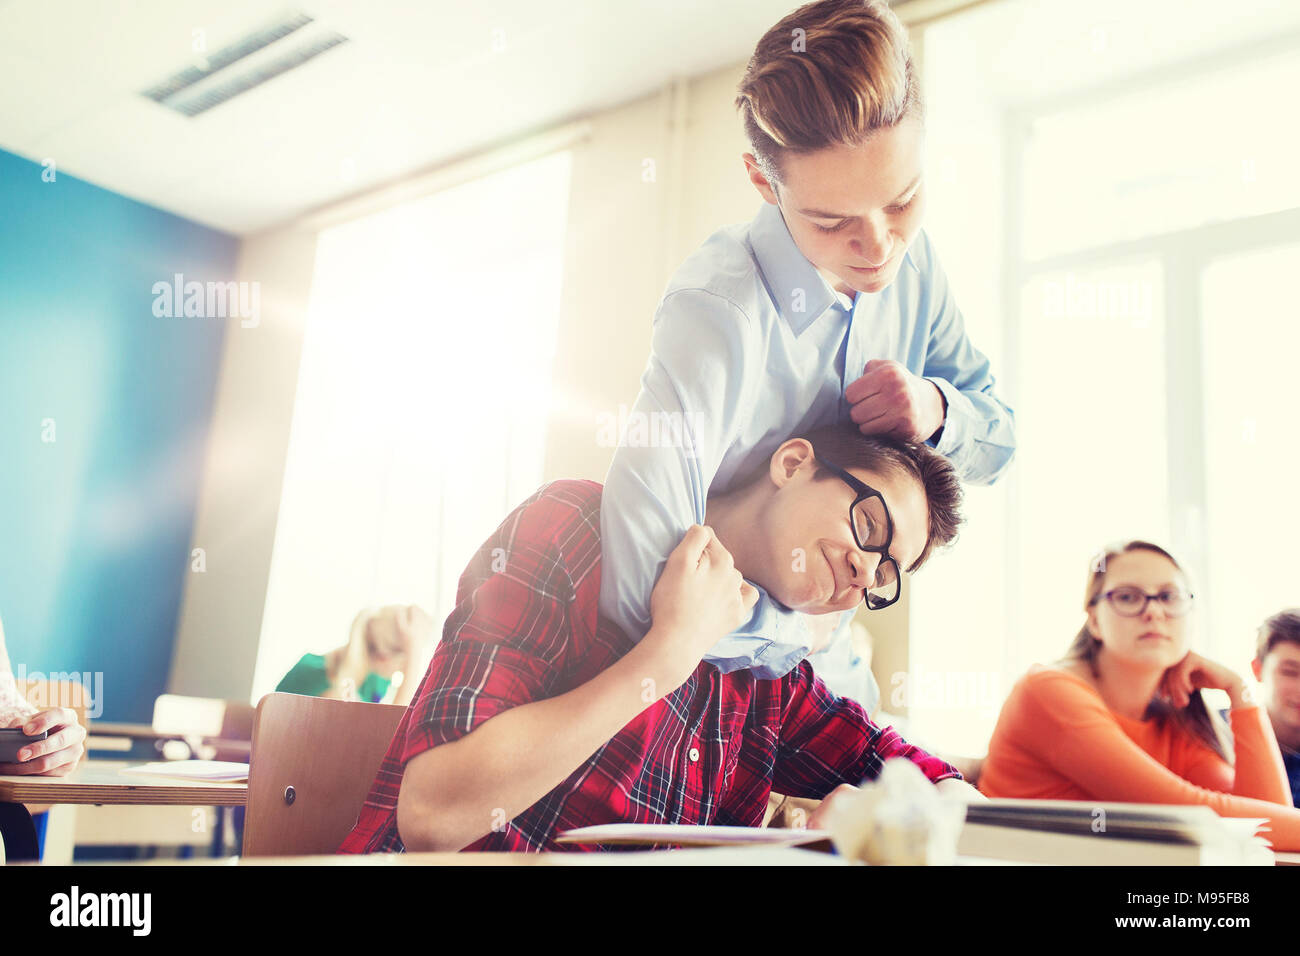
column 537, row 716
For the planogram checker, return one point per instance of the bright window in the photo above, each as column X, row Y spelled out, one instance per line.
column 420, row 416
column 1202, row 149
column 1113, row 197
column 1092, row 455
column 1252, row 456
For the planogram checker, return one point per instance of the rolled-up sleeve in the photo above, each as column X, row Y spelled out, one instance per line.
column 504, row 646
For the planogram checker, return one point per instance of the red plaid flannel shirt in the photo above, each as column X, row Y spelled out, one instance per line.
column 526, row 628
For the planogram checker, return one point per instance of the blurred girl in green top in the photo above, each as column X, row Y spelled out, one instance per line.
column 382, row 662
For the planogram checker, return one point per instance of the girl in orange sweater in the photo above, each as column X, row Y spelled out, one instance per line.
column 1121, row 717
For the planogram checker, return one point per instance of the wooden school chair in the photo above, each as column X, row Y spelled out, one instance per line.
column 313, row 762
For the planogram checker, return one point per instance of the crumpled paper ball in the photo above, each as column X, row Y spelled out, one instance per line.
column 899, row 819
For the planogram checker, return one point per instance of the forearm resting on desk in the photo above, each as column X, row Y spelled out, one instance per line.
column 456, row 793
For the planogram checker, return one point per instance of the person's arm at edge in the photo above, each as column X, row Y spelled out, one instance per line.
column 5, row 668
column 1257, row 770
column 12, row 703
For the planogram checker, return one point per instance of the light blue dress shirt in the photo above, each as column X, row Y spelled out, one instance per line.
column 844, row 672
column 750, row 347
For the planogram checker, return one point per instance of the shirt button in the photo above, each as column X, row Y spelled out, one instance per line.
column 694, row 755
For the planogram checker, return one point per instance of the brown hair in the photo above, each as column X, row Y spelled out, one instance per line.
column 830, row 73
column 1195, row 718
column 1282, row 626
column 845, row 446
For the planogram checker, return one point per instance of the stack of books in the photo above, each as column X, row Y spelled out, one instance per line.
column 1082, row 833
column 1060, row 832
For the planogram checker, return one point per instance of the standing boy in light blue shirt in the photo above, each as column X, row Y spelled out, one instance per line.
column 830, row 305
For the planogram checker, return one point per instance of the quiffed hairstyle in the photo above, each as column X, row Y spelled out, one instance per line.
column 1282, row 626
column 845, row 446
column 829, row 74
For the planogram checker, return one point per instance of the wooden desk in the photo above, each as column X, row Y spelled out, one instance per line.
column 99, row 782
column 729, row 856
column 102, row 782
column 712, row 856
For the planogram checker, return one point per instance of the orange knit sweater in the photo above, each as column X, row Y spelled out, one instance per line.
column 1056, row 739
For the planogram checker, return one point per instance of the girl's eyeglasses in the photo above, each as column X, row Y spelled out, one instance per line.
column 1131, row 601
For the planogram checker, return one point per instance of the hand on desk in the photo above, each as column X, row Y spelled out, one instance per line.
column 844, row 793
column 960, row 789
column 58, row 754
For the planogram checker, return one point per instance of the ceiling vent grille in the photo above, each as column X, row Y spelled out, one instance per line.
column 199, row 88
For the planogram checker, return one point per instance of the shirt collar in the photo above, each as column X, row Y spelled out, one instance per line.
column 786, row 269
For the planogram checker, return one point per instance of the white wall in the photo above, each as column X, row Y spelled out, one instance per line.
column 221, row 612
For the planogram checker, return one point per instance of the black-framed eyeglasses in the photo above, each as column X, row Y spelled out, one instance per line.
column 1130, row 601
column 873, row 530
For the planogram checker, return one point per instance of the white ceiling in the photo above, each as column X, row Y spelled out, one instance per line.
column 418, row 83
